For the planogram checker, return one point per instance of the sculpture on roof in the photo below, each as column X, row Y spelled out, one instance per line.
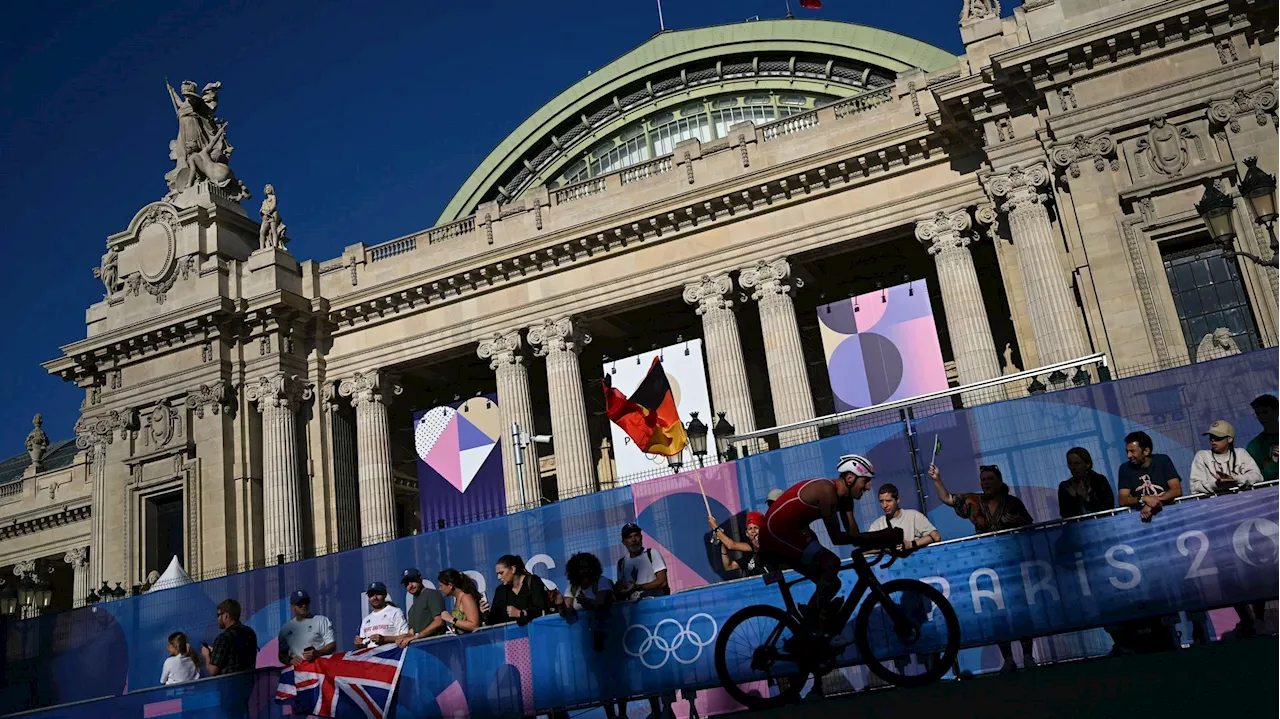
column 271, row 233
column 37, row 441
column 975, row 10
column 109, row 270
column 200, row 151
column 1216, row 345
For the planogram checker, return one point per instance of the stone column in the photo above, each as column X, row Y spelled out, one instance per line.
column 78, row 558
column 1054, row 317
column 730, row 393
column 560, row 341
column 94, row 433
column 371, row 394
column 278, row 397
column 505, row 353
column 947, row 236
column 788, row 376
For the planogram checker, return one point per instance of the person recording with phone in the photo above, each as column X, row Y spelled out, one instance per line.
column 1222, row 467
column 307, row 636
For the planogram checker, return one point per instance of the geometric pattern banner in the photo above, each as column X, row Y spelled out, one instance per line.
column 882, row 346
column 459, row 463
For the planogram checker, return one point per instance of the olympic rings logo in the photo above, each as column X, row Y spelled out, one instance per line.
column 667, row 640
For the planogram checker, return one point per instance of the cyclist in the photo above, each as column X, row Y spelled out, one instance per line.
column 785, row 538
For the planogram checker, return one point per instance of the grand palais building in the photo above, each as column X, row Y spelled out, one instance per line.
column 244, row 404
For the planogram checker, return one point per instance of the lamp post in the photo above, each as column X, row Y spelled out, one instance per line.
column 1216, row 210
column 697, row 431
column 723, row 431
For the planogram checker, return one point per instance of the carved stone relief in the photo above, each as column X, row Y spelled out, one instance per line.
column 1260, row 102
column 162, row 423
column 1101, row 148
column 1164, row 147
column 216, row 396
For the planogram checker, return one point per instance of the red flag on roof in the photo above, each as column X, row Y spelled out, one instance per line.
column 811, row 4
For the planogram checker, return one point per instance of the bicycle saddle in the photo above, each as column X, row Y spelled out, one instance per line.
column 883, row 539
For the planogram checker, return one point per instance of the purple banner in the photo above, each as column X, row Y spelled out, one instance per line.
column 460, row 462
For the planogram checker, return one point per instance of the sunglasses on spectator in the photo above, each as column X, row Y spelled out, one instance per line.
column 988, row 467
column 1216, row 438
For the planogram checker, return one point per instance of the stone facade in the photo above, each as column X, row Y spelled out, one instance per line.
column 1073, row 136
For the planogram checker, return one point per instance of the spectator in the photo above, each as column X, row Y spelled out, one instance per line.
column 236, row 648
column 1222, row 467
column 521, row 596
column 642, row 573
column 465, row 616
column 424, row 615
column 385, row 624
column 749, row 561
column 306, row 637
column 183, row 664
column 993, row 510
column 917, row 530
column 592, row 592
column 1265, row 448
column 1086, row 491
column 1147, row 480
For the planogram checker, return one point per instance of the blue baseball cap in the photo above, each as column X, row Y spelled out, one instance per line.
column 376, row 588
column 299, row 597
column 411, row 575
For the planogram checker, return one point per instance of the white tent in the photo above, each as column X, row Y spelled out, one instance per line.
column 174, row 576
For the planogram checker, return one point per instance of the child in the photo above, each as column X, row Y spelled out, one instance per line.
column 183, row 664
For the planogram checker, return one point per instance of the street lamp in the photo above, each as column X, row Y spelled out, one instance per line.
column 723, row 431
column 1259, row 191
column 697, row 431
column 676, row 461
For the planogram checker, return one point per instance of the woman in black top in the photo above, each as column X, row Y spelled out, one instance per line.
column 521, row 597
column 1087, row 491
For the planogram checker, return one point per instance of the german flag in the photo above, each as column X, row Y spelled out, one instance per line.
column 649, row 415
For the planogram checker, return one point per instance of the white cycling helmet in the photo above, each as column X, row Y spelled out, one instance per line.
column 857, row 464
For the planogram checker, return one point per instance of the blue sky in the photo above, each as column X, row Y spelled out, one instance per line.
column 365, row 120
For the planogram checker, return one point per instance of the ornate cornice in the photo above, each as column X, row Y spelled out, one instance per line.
column 1100, row 147
column 369, row 387
column 58, row 518
column 558, row 335
column 710, row 293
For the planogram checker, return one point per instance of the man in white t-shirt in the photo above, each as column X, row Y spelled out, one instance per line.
column 385, row 623
column 917, row 530
column 642, row 573
column 307, row 636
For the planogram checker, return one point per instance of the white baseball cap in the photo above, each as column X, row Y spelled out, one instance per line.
column 773, row 496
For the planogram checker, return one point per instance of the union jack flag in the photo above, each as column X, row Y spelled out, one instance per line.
column 348, row 685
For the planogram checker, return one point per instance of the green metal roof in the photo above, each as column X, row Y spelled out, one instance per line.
column 675, row 48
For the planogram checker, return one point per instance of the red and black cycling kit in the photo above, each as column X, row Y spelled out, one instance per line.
column 785, row 533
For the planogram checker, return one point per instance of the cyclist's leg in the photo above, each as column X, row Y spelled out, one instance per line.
column 822, row 567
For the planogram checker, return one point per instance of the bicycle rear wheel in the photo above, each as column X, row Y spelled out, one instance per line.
column 931, row 632
column 762, row 643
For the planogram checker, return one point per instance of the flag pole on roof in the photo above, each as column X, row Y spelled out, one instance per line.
column 661, row 25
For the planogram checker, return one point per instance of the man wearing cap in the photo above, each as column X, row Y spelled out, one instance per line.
column 1222, row 467
column 307, row 636
column 1147, row 481
column 642, row 573
column 424, row 615
column 385, row 624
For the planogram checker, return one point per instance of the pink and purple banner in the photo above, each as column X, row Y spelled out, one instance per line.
column 882, row 346
column 459, row 462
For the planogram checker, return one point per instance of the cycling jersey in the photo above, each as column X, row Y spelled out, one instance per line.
column 785, row 533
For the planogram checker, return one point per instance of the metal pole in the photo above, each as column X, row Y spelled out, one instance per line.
column 908, row 416
column 661, row 25
column 519, row 450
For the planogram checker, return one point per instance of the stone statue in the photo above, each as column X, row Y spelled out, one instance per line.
column 200, row 151
column 37, row 441
column 1217, row 345
column 1009, row 366
column 109, row 271
column 271, row 233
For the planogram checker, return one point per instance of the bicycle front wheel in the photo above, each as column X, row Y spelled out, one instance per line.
column 919, row 645
column 763, row 646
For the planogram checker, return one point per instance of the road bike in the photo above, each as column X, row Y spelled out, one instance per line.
column 790, row 645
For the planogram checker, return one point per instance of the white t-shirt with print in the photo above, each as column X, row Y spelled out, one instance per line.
column 298, row 634
column 914, row 525
column 641, row 569
column 388, row 621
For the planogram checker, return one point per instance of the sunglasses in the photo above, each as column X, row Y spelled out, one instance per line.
column 1216, row 438
column 988, row 468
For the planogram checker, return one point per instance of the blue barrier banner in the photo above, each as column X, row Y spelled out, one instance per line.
column 1194, row 555
column 112, row 648
column 238, row 696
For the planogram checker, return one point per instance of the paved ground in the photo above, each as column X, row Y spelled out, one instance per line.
column 1231, row 680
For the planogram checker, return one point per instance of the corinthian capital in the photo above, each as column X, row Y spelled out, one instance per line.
column 100, row 429
column 945, row 231
column 710, row 292
column 1100, row 147
column 368, row 387
column 502, row 349
column 768, row 279
column 1019, row 187
column 278, row 390
column 77, row 556
column 561, row 335
column 215, row 396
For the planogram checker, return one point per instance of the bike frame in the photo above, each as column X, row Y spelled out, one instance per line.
column 867, row 581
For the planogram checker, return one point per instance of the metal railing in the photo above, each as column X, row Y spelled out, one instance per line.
column 1054, row 376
